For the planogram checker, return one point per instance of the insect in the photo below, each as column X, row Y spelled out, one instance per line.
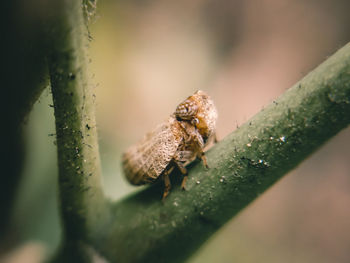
column 176, row 142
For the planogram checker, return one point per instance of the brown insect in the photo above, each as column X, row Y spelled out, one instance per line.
column 175, row 143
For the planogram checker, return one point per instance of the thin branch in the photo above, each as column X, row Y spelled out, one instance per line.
column 242, row 167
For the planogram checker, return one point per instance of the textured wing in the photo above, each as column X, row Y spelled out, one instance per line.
column 145, row 161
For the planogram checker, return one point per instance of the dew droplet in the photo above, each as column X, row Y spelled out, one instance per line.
column 283, row 139
column 198, row 182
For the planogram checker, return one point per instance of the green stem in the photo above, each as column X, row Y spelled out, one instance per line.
column 141, row 228
column 83, row 206
column 242, row 167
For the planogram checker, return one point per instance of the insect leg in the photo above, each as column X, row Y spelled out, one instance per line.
column 198, row 139
column 183, row 170
column 181, row 167
column 215, row 138
column 167, row 184
column 200, row 152
column 200, row 146
column 202, row 156
column 183, row 183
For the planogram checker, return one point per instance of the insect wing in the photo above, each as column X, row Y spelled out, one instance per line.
column 145, row 161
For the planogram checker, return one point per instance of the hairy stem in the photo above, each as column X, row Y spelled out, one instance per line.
column 242, row 166
column 83, row 206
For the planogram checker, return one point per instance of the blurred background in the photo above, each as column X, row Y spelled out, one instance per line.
column 146, row 57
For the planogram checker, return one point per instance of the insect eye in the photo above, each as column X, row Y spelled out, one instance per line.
column 195, row 121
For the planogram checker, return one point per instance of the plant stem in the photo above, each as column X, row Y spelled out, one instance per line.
column 242, row 167
column 83, row 206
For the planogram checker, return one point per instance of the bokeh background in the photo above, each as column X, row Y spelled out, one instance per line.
column 146, row 57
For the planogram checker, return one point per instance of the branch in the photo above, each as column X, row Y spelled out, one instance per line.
column 83, row 206
column 242, row 167
column 141, row 228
